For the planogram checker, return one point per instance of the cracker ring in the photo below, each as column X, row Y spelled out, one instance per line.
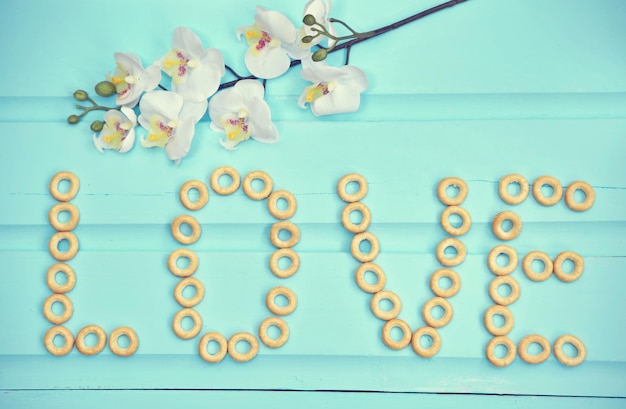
column 177, row 323
column 196, row 230
column 246, row 337
column 527, row 265
column 48, row 341
column 225, row 190
column 289, row 271
column 53, row 245
column 185, row 253
column 204, row 342
column 406, row 334
column 355, row 247
column 386, row 295
column 180, row 287
column 454, row 278
column 510, row 354
column 53, row 216
column 590, row 196
column 554, row 184
column 288, row 226
column 272, row 204
column 68, row 308
column 437, row 322
column 381, row 279
column 504, row 192
column 202, row 190
column 93, row 350
column 365, row 221
column 504, row 280
column 509, row 320
column 70, row 275
column 579, row 266
column 282, row 327
column 522, row 349
column 443, row 195
column 457, row 245
column 270, row 301
column 492, row 261
column 562, row 357
column 465, row 218
column 268, row 185
column 133, row 344
column 352, row 197
column 71, row 193
column 499, row 232
column 432, row 349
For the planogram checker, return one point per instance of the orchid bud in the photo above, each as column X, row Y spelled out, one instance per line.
column 309, row 20
column 319, row 55
column 307, row 39
column 73, row 119
column 80, row 95
column 105, row 89
column 97, row 126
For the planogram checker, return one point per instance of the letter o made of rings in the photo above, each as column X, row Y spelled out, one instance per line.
column 455, row 244
column 452, row 182
column 53, row 216
column 272, row 204
column 586, row 188
column 225, row 190
column 70, row 276
column 365, row 220
column 510, row 353
column 182, row 253
column 68, row 309
column 67, row 336
column 177, row 323
column 268, row 185
column 427, row 312
column 492, row 260
column 504, row 280
column 71, row 193
column 245, row 337
column 95, row 349
column 352, row 197
column 579, row 266
column 522, row 349
column 563, row 357
column 356, row 250
column 466, row 221
column 379, row 312
column 56, row 239
column 498, row 229
column 504, row 191
column 282, row 327
column 133, row 341
column 388, row 340
column 191, row 221
column 291, row 228
column 509, row 320
column 547, row 266
column 202, row 190
column 554, row 184
column 204, row 342
column 430, row 351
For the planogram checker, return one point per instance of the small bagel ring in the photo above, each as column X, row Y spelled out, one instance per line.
column 465, row 218
column 554, row 184
column 562, row 357
column 292, row 301
column 48, row 341
column 443, row 195
column 246, row 337
column 182, row 284
column 282, row 327
column 177, row 323
column 132, row 339
column 68, row 308
column 509, row 321
column 288, row 226
column 352, row 197
column 53, row 245
column 433, row 348
column 504, row 280
column 527, row 265
column 522, row 349
column 492, row 261
column 590, row 196
column 202, row 190
column 402, row 326
column 272, row 204
column 204, row 342
column 504, row 192
column 499, row 232
column 437, row 302
column 69, row 274
column 510, row 354
column 196, row 230
column 291, row 255
column 385, row 295
column 225, row 190
column 356, row 251
column 93, row 350
column 71, row 193
column 268, row 185
column 457, row 245
column 454, row 278
column 184, row 253
column 381, row 279
column 53, row 216
column 579, row 266
column 365, row 221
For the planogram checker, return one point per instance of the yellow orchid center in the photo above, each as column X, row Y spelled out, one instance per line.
column 123, row 80
column 176, row 64
column 161, row 132
column 320, row 89
column 115, row 133
column 258, row 40
column 237, row 129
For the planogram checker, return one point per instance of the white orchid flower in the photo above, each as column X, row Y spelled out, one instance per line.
column 196, row 71
column 170, row 121
column 118, row 132
column 240, row 112
column 131, row 80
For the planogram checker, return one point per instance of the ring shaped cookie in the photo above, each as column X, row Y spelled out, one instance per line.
column 554, row 184
column 381, row 279
column 427, row 312
column 58, row 237
column 510, row 354
column 499, row 232
column 385, row 295
column 402, row 326
column 443, row 195
column 68, row 308
column 433, row 348
column 465, row 218
column 522, row 349
column 562, row 357
column 579, row 266
column 289, row 271
column 70, row 276
column 268, row 185
column 204, row 342
column 454, row 243
column 48, row 341
column 196, row 230
column 225, row 190
column 272, row 204
column 492, row 260
column 180, row 287
column 352, row 197
column 288, row 226
column 365, row 221
column 509, row 321
column 504, row 280
column 246, row 337
column 177, row 323
column 71, row 193
column 504, row 191
column 356, row 250
column 53, row 216
column 91, row 350
column 454, row 278
column 292, row 301
column 282, row 327
column 184, row 253
column 133, row 343
column 527, row 266
column 202, row 190
column 590, row 196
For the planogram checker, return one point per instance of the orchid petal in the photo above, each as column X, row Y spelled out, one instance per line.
column 274, row 63
column 276, row 23
column 165, row 103
column 179, row 146
column 261, row 127
column 187, row 40
column 341, row 100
